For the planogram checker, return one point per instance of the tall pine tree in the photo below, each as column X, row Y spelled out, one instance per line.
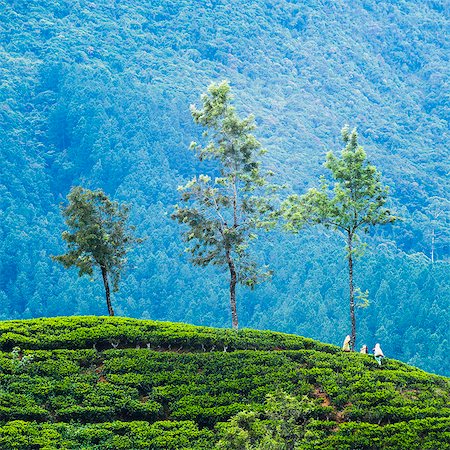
column 354, row 204
column 98, row 237
column 224, row 213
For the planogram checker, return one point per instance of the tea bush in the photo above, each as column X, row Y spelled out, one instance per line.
column 169, row 385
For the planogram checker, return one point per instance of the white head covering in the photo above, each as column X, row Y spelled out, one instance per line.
column 346, row 345
column 378, row 351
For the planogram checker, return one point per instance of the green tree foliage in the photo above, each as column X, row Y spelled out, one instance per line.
column 247, row 431
column 356, row 202
column 98, row 237
column 224, row 214
column 279, row 427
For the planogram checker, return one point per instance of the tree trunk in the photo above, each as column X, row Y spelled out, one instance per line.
column 107, row 292
column 352, row 292
column 233, row 282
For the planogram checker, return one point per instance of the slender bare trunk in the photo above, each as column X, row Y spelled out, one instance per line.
column 231, row 266
column 235, row 199
column 352, row 292
column 233, row 282
column 107, row 292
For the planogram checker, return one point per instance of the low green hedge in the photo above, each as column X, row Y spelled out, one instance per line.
column 20, row 435
column 89, row 397
column 103, row 332
column 419, row 434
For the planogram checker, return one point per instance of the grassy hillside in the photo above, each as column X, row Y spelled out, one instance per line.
column 115, row 383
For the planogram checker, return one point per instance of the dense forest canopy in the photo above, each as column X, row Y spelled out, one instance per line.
column 98, row 94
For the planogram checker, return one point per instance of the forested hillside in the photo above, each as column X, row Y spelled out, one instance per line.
column 98, row 94
column 115, row 383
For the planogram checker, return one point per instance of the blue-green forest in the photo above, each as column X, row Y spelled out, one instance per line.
column 97, row 94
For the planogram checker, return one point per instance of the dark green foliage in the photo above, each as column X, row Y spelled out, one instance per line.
column 98, row 236
column 84, row 332
column 71, row 395
column 116, row 435
column 355, row 202
column 415, row 435
column 281, row 425
column 354, row 205
column 223, row 215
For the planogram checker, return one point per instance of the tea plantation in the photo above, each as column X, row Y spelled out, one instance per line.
column 116, row 383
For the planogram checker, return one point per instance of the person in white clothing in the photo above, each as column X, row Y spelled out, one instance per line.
column 346, row 345
column 378, row 354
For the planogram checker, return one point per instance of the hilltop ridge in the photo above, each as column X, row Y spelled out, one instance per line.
column 100, row 382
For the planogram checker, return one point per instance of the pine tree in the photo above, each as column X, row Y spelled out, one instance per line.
column 354, row 204
column 224, row 213
column 98, row 237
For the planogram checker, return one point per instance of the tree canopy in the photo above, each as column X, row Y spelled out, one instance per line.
column 355, row 203
column 224, row 214
column 98, row 237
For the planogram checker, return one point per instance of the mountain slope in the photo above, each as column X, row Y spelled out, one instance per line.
column 95, row 382
column 97, row 93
